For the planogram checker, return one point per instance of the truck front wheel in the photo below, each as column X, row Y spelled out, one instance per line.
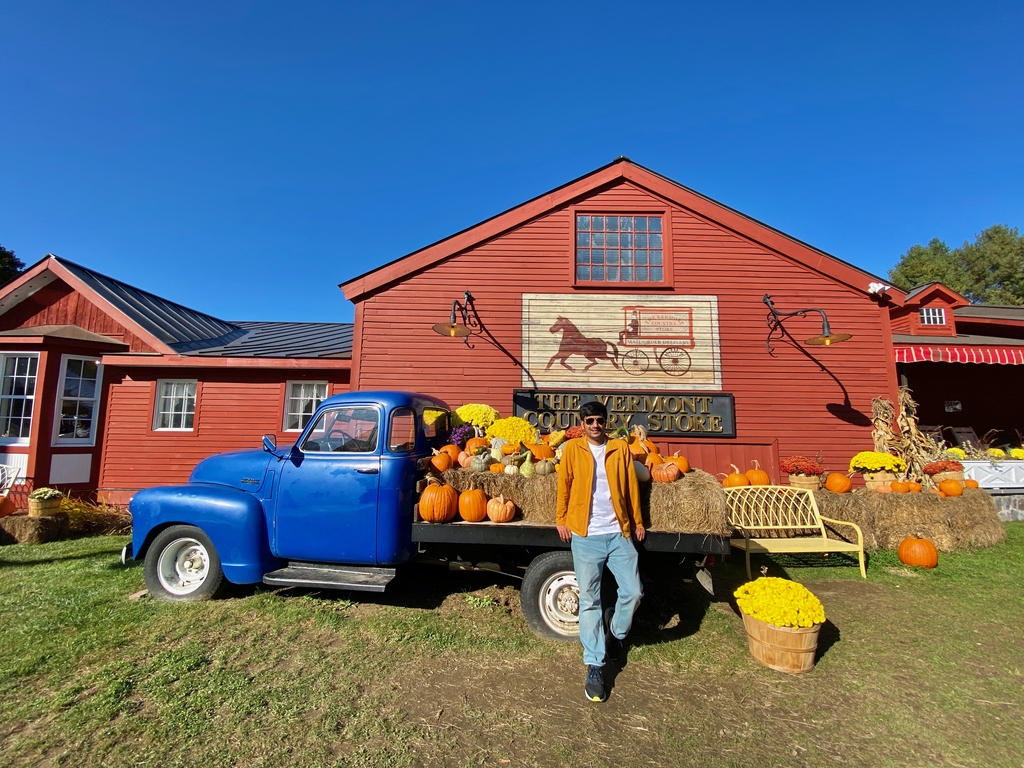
column 550, row 597
column 182, row 565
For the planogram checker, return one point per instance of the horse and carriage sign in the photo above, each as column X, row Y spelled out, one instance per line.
column 615, row 341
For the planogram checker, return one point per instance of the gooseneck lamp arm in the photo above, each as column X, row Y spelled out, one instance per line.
column 775, row 320
column 453, row 329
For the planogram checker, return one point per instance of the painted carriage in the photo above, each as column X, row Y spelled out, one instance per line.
column 660, row 334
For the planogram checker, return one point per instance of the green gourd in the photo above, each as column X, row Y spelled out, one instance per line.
column 544, row 467
column 528, row 467
column 481, row 462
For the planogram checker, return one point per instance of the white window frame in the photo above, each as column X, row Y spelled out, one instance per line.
column 928, row 315
column 288, row 399
column 32, row 398
column 59, row 401
column 159, row 396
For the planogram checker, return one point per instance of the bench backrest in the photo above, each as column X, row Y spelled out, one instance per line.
column 773, row 508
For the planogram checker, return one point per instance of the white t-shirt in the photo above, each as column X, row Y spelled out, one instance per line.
column 602, row 514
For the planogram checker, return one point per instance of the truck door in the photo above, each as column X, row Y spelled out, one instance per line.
column 327, row 504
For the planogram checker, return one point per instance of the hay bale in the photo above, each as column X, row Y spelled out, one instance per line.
column 853, row 508
column 975, row 519
column 35, row 530
column 693, row 504
column 923, row 515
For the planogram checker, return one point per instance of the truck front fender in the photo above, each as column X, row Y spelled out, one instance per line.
column 233, row 519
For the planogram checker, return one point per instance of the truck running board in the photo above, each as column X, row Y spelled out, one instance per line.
column 313, row 575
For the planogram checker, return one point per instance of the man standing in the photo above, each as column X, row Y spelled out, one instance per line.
column 598, row 510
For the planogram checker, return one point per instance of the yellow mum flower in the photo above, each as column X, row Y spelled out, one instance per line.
column 780, row 602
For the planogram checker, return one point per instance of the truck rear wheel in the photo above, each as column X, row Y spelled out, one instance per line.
column 550, row 597
column 182, row 565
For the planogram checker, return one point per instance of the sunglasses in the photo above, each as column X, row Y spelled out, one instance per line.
column 594, row 420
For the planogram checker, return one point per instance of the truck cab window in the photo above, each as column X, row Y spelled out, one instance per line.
column 402, row 434
column 435, row 422
column 344, row 430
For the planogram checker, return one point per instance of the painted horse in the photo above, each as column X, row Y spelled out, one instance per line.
column 575, row 343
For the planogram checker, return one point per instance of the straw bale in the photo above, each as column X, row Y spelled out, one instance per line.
column 975, row 519
column 693, row 504
column 922, row 515
column 851, row 508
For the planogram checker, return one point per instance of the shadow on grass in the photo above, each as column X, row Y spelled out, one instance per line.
column 4, row 563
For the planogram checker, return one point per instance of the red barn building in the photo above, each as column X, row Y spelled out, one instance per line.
column 106, row 387
column 628, row 286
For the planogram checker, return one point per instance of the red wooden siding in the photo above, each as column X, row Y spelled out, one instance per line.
column 58, row 304
column 795, row 399
column 235, row 409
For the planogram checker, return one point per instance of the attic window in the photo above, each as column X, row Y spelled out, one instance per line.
column 619, row 249
column 933, row 316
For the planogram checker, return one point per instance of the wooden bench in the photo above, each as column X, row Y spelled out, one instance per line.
column 793, row 511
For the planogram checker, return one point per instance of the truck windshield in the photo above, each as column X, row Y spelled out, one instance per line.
column 349, row 429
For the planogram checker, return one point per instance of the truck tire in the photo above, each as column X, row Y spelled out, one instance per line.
column 550, row 597
column 183, row 566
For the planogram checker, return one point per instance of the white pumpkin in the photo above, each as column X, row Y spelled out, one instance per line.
column 643, row 474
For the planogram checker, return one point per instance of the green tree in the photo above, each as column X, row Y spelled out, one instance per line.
column 988, row 271
column 10, row 265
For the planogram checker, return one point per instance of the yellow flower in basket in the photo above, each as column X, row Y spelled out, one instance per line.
column 780, row 602
column 874, row 461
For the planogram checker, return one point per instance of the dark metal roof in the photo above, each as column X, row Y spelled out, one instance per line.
column 990, row 311
column 172, row 323
column 955, row 341
column 308, row 340
column 919, row 289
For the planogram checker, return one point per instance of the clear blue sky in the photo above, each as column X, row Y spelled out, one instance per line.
column 245, row 158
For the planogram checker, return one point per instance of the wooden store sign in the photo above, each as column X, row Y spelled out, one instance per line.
column 669, row 414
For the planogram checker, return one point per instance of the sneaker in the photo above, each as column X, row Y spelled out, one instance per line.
column 594, row 687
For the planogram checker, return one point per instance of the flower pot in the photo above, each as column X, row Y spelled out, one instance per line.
column 940, row 476
column 810, row 482
column 875, row 480
column 43, row 507
column 782, row 648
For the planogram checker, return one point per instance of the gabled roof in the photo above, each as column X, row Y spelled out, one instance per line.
column 920, row 293
column 621, row 169
column 176, row 330
column 70, row 332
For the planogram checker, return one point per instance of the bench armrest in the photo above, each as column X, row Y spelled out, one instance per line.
column 860, row 536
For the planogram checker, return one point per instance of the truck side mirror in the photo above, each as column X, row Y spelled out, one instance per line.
column 269, row 443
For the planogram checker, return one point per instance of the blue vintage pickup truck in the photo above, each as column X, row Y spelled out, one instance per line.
column 336, row 510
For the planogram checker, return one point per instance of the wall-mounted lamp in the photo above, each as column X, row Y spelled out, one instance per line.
column 453, row 329
column 775, row 320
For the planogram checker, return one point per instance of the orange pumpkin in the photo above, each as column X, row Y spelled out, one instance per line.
column 915, row 487
column 508, row 449
column 938, row 493
column 473, row 505
column 477, row 442
column 735, row 479
column 951, row 488
column 971, row 483
column 6, row 506
column 441, row 462
column 452, row 450
column 497, row 468
column 438, row 503
column 900, row 486
column 465, row 459
column 639, row 445
column 652, row 460
column 679, row 461
column 541, row 451
column 884, row 489
column 918, row 552
column 838, row 483
column 665, row 473
column 757, row 476
column 500, row 511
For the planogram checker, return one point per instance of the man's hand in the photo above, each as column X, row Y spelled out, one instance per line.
column 639, row 533
column 564, row 533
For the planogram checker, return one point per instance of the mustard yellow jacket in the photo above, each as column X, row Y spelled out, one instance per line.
column 576, row 484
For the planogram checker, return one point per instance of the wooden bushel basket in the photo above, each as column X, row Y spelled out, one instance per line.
column 782, row 648
column 43, row 507
column 810, row 482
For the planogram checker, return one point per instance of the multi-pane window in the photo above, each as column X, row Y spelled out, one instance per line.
column 619, row 249
column 933, row 316
column 17, row 395
column 304, row 397
column 175, row 405
column 76, row 405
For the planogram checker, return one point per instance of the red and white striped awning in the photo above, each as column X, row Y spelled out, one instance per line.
column 938, row 354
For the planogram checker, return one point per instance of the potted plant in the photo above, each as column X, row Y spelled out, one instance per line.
column 782, row 619
column 946, row 469
column 877, row 468
column 43, row 502
column 803, row 472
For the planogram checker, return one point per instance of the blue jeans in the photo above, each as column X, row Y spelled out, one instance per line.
column 590, row 555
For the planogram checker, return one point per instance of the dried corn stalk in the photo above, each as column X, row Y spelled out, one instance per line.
column 905, row 440
column 882, row 417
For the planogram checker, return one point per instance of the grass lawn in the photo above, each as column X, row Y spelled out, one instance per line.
column 916, row 668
